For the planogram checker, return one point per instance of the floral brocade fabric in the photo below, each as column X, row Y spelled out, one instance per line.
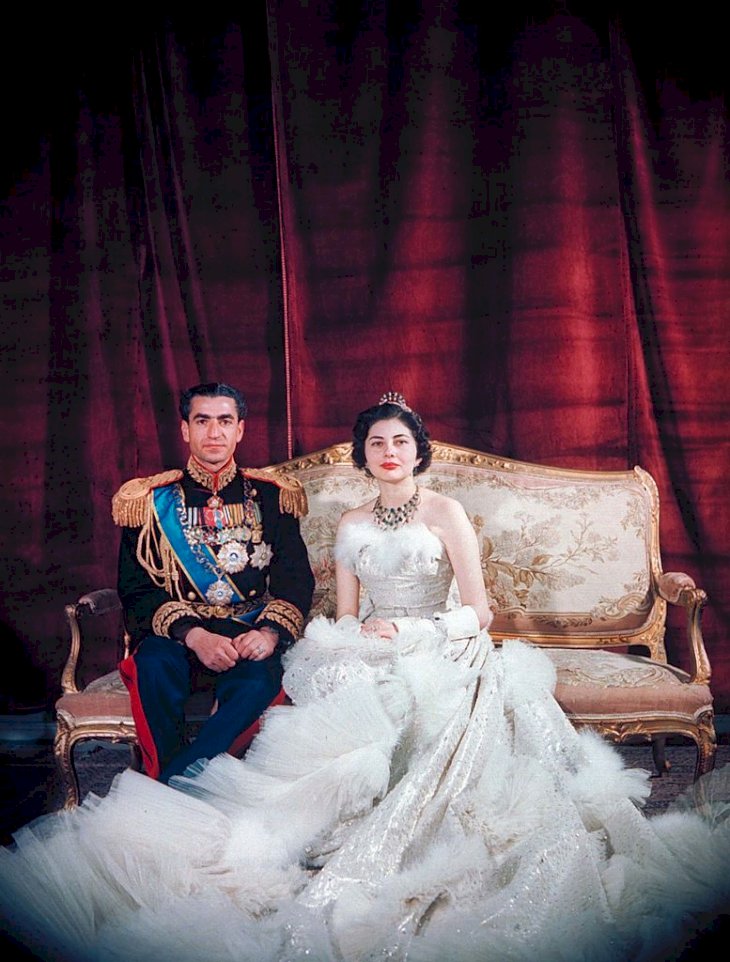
column 421, row 800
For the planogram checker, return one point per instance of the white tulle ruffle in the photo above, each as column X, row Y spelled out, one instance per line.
column 423, row 799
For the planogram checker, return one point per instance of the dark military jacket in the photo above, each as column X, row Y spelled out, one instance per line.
column 235, row 534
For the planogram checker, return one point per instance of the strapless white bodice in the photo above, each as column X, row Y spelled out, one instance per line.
column 402, row 573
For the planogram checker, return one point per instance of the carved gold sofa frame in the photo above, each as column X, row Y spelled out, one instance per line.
column 101, row 709
column 572, row 563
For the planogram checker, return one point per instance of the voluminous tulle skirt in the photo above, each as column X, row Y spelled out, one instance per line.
column 419, row 801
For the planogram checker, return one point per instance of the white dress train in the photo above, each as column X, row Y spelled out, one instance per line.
column 422, row 800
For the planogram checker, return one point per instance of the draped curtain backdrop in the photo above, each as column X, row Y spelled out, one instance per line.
column 518, row 219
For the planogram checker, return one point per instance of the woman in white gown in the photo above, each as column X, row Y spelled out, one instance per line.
column 424, row 798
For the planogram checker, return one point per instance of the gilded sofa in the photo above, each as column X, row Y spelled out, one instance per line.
column 571, row 562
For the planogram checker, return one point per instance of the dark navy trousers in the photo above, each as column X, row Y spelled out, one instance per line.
column 159, row 675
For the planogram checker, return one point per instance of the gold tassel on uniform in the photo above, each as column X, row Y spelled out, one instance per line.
column 132, row 507
column 132, row 504
column 152, row 545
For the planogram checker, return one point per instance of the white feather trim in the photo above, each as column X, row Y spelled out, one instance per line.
column 386, row 550
column 417, row 632
column 323, row 632
column 528, row 672
column 602, row 781
column 438, row 686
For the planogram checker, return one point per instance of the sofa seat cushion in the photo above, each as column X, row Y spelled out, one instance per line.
column 105, row 700
column 604, row 684
column 589, row 683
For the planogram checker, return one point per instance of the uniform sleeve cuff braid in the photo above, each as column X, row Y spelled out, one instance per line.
column 285, row 617
column 169, row 613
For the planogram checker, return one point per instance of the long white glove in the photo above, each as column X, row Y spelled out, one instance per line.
column 451, row 625
column 458, row 622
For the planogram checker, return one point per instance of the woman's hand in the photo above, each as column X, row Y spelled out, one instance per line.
column 379, row 628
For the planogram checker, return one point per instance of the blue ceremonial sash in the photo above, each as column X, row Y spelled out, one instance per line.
column 169, row 509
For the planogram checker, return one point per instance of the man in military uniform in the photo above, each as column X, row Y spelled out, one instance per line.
column 213, row 577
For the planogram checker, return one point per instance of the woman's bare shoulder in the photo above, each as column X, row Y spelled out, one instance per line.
column 445, row 516
column 363, row 512
column 433, row 502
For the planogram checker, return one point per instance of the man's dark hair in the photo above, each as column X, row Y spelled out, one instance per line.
column 212, row 389
column 388, row 412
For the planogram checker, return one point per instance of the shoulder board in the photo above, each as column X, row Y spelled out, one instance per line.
column 292, row 496
column 131, row 504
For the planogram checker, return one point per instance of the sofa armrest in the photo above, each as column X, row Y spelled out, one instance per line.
column 678, row 588
column 99, row 602
column 670, row 585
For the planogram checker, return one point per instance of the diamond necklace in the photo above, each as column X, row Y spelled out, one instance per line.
column 392, row 518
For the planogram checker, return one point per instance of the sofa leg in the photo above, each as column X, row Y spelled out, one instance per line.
column 658, row 751
column 135, row 757
column 706, row 748
column 63, row 752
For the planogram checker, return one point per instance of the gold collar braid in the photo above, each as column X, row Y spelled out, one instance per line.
column 215, row 482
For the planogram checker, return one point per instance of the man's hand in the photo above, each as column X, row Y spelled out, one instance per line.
column 215, row 651
column 256, row 644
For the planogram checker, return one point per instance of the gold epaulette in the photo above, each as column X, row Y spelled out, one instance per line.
column 131, row 505
column 292, row 496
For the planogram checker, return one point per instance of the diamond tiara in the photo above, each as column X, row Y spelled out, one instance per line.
column 393, row 397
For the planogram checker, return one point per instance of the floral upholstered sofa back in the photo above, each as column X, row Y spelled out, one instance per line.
column 569, row 557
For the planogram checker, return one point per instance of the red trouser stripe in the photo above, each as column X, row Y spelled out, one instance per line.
column 128, row 671
column 242, row 741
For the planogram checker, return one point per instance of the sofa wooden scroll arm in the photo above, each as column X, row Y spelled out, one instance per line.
column 98, row 602
column 678, row 588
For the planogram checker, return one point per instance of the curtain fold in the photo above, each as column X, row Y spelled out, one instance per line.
column 160, row 269
column 518, row 219
column 675, row 206
column 375, row 128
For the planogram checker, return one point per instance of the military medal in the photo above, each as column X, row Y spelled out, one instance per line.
column 232, row 557
column 231, row 533
column 213, row 516
column 219, row 593
column 261, row 555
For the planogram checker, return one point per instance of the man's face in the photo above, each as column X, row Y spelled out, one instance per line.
column 213, row 430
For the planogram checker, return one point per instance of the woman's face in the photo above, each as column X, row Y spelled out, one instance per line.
column 391, row 452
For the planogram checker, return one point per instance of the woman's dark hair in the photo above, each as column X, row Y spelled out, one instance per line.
column 389, row 411
column 212, row 389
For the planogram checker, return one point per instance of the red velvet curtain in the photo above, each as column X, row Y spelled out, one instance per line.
column 519, row 220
